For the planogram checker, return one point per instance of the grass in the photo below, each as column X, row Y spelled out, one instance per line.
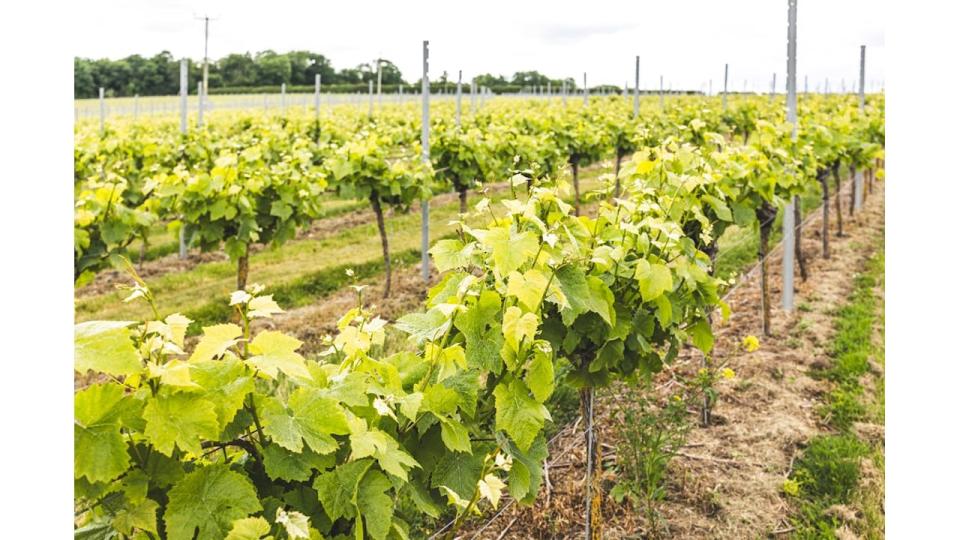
column 293, row 268
column 830, row 470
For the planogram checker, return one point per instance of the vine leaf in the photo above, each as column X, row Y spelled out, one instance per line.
column 254, row 528
column 282, row 464
column 366, row 442
column 206, row 502
column 338, row 488
column 215, row 341
column 518, row 414
column 100, row 453
column 654, row 279
column 309, row 416
column 459, row 473
column 275, row 351
column 540, row 377
column 226, row 384
column 106, row 347
column 375, row 505
column 450, row 253
column 141, row 515
column 180, row 419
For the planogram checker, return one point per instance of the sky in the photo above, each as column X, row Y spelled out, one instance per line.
column 686, row 41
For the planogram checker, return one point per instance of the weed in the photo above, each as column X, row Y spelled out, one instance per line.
column 648, row 436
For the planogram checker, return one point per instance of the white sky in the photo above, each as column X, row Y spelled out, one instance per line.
column 687, row 41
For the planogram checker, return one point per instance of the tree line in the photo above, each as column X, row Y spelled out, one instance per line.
column 159, row 75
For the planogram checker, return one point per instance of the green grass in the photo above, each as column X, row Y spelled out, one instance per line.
column 829, row 470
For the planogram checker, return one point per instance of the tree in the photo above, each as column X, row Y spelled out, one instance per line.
column 272, row 68
column 83, row 84
column 238, row 70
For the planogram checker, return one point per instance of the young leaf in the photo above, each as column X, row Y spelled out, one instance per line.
column 275, row 351
column 106, row 347
column 254, row 528
column 215, row 341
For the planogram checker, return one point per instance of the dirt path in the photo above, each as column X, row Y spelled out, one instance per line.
column 727, row 481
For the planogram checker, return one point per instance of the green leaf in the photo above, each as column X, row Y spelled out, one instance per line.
column 205, row 504
column 600, row 300
column 702, row 336
column 482, row 344
column 609, row 356
column 422, row 327
column 526, row 473
column 653, row 279
column 310, row 416
column 215, row 341
column 517, row 413
column 275, row 351
column 226, row 384
column 254, row 528
column 281, row 210
column 455, row 436
column 582, row 295
column 540, row 377
column 664, row 310
column 99, row 450
column 459, row 473
column 338, row 488
column 372, row 442
column 719, row 207
column 282, row 464
column 375, row 505
column 518, row 326
column 182, row 419
column 528, row 288
column 105, row 347
column 510, row 251
column 439, row 400
column 450, row 253
column 142, row 516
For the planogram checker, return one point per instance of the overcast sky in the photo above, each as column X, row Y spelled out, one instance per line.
column 687, row 41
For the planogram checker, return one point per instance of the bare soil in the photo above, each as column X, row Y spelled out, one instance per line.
column 726, row 482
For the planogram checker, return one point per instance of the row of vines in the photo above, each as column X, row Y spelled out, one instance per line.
column 237, row 435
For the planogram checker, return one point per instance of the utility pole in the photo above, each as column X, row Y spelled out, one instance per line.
column 206, row 57
column 636, row 87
